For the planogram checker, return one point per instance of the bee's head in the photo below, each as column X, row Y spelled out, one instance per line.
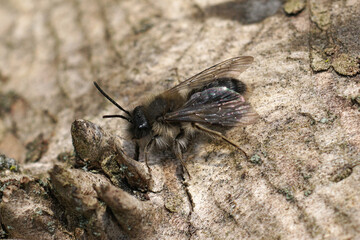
column 140, row 125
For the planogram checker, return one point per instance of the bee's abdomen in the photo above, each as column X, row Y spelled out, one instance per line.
column 230, row 83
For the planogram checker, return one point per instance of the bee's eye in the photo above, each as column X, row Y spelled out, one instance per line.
column 143, row 125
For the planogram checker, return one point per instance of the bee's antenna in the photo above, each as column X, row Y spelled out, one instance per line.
column 112, row 101
column 118, row 116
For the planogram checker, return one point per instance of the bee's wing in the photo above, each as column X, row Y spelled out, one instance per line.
column 218, row 105
column 230, row 68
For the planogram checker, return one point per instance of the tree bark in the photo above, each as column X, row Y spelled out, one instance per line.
column 66, row 173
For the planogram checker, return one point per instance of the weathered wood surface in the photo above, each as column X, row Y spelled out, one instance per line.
column 302, row 181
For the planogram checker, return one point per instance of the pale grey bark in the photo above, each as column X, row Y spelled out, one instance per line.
column 301, row 182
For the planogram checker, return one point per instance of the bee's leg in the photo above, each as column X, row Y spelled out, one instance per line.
column 137, row 151
column 178, row 154
column 217, row 134
column 147, row 149
column 177, row 148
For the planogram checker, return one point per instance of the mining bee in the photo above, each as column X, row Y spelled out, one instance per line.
column 211, row 102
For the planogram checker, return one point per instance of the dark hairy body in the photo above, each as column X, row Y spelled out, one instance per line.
column 214, row 98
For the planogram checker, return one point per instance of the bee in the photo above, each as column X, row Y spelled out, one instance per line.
column 212, row 102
